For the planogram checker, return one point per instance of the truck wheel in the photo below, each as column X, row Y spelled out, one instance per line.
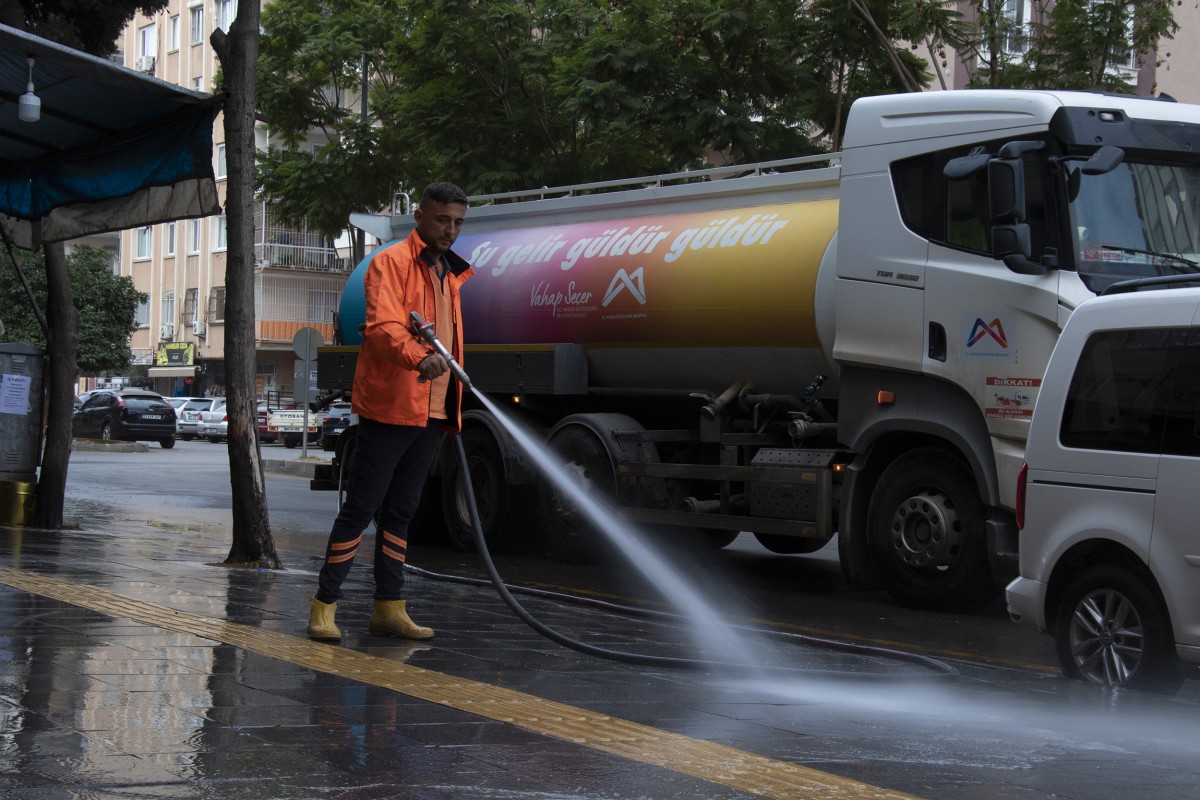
column 925, row 525
column 1111, row 630
column 790, row 545
column 570, row 535
column 500, row 506
column 291, row 442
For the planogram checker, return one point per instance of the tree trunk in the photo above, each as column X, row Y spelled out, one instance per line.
column 61, row 347
column 253, row 545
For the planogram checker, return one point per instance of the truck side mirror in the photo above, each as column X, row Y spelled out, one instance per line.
column 1006, row 191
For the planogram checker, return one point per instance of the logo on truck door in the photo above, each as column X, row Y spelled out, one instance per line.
column 988, row 337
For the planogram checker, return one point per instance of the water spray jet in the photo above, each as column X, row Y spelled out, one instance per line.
column 714, row 627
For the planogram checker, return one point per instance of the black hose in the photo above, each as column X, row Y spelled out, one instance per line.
column 941, row 668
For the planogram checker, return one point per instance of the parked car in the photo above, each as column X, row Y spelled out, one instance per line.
column 127, row 414
column 214, row 425
column 337, row 417
column 1106, row 498
column 189, row 415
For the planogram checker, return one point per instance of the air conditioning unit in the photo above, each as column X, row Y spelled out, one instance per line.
column 166, row 332
column 144, row 63
column 199, row 327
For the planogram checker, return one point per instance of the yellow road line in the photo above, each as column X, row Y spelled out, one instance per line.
column 708, row 761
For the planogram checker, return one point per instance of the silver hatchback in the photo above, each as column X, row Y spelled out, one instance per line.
column 188, row 426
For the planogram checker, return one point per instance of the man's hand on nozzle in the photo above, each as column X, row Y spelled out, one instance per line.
column 432, row 366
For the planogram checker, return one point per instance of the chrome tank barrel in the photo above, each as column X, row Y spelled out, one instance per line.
column 669, row 301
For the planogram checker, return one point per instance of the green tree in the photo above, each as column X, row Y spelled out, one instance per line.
column 92, row 26
column 106, row 304
column 1071, row 44
column 252, row 544
column 315, row 57
column 503, row 94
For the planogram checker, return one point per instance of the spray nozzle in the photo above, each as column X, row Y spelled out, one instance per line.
column 424, row 330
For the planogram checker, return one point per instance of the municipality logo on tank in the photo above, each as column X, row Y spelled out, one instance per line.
column 990, row 336
column 622, row 281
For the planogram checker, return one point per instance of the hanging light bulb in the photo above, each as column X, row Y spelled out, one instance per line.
column 29, row 105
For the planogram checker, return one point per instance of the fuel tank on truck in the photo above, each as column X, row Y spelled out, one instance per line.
column 681, row 300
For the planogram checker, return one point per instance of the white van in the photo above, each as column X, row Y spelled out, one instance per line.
column 1108, row 497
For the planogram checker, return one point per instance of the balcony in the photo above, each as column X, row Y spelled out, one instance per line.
column 279, row 247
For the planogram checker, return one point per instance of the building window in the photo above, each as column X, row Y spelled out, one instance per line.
column 198, row 83
column 1018, row 14
column 220, row 233
column 168, row 308
column 144, row 238
column 169, row 240
column 142, row 315
column 191, row 308
column 173, row 32
column 193, row 242
column 196, row 24
column 221, row 166
column 216, row 304
column 226, row 11
column 148, row 40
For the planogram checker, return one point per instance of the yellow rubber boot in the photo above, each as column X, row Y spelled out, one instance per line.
column 390, row 618
column 320, row 621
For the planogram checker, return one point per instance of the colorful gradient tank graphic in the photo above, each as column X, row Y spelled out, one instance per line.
column 681, row 280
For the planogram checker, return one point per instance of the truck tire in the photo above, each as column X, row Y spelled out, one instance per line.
column 925, row 526
column 502, row 508
column 1111, row 630
column 570, row 535
column 291, row 441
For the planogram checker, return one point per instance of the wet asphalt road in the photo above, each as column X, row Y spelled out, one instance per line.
column 1008, row 713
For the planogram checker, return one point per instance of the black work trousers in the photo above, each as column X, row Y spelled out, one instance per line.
column 387, row 473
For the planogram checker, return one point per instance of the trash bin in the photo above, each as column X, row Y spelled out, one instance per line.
column 16, row 503
column 21, row 416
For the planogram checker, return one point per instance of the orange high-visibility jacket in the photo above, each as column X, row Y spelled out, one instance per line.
column 397, row 283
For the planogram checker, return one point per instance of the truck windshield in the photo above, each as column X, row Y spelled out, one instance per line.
column 1136, row 221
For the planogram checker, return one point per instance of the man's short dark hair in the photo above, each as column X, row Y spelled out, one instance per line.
column 443, row 193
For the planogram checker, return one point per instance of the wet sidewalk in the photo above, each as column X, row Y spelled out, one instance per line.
column 133, row 665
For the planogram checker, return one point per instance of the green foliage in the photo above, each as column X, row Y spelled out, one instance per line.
column 498, row 95
column 92, row 26
column 1074, row 44
column 107, row 306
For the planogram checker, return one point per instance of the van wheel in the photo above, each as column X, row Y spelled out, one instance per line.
column 570, row 535
column 926, row 533
column 1111, row 630
column 501, row 507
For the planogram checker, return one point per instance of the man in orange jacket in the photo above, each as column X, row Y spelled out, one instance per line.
column 403, row 394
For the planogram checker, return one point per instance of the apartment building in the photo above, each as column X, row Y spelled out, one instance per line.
column 298, row 276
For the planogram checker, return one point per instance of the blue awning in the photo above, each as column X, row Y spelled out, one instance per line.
column 114, row 148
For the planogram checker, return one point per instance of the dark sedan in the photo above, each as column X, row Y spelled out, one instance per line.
column 134, row 415
column 335, row 421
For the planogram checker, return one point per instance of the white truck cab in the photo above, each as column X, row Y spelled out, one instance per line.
column 1107, row 498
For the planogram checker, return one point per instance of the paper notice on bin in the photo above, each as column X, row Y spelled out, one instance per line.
column 14, row 394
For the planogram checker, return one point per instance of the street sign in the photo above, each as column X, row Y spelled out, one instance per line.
column 305, row 343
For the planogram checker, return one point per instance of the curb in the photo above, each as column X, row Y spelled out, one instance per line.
column 304, row 469
column 109, row 446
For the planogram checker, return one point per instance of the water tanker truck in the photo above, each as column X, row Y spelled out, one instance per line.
column 847, row 345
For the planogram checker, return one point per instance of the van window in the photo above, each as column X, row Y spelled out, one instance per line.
column 1136, row 391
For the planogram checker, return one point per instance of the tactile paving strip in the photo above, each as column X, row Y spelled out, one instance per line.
column 707, row 761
